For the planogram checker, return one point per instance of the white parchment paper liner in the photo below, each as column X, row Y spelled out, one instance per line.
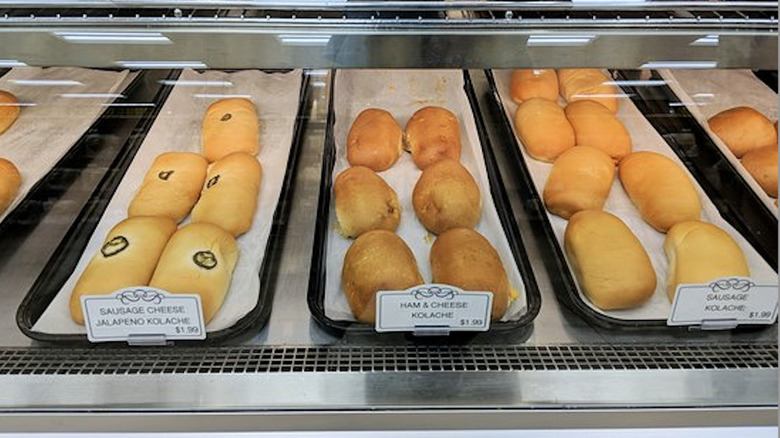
column 53, row 117
column 177, row 128
column 402, row 92
column 705, row 93
column 644, row 138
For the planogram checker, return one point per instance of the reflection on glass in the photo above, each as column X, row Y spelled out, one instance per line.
column 113, row 37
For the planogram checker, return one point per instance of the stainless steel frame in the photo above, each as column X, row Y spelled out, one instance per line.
column 570, row 394
column 435, row 34
column 561, row 390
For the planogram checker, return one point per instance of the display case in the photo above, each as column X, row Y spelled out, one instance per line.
column 104, row 88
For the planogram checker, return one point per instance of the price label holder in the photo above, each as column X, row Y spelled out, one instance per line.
column 724, row 304
column 433, row 310
column 143, row 316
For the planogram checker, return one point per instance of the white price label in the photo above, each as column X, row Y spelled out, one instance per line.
column 431, row 308
column 724, row 303
column 139, row 313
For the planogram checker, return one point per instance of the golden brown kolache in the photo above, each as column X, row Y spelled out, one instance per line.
column 699, row 252
column 580, row 179
column 529, row 83
column 230, row 125
column 377, row 260
column 171, row 187
column 375, row 140
column 447, row 196
column 660, row 189
column 198, row 259
column 230, row 195
column 464, row 258
column 611, row 266
column 364, row 202
column 9, row 110
column 10, row 181
column 127, row 258
column 433, row 134
column 543, row 129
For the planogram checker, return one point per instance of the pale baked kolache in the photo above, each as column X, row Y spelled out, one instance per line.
column 375, row 140
column 743, row 129
column 699, row 252
column 660, row 189
column 611, row 266
column 10, row 181
column 432, row 134
column 580, row 179
column 377, row 260
column 761, row 163
column 198, row 259
column 230, row 125
column 230, row 195
column 543, row 129
column 171, row 187
column 528, row 83
column 9, row 110
column 464, row 258
column 446, row 196
column 588, row 84
column 364, row 202
column 127, row 258
column 596, row 126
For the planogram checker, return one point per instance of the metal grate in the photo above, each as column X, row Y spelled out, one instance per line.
column 383, row 359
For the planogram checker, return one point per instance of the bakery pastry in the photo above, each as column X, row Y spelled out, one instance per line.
column 199, row 259
column 699, row 252
column 377, row 260
column 229, row 197
column 761, row 163
column 596, row 126
column 10, row 181
column 660, row 189
column 612, row 268
column 588, row 84
column 446, row 196
column 464, row 258
column 580, row 179
column 364, row 202
column 375, row 140
column 127, row 258
column 432, row 134
column 743, row 129
column 528, row 83
column 171, row 186
column 543, row 129
column 9, row 110
column 230, row 125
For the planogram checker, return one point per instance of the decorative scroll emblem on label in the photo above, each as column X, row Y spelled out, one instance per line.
column 114, row 246
column 212, row 182
column 737, row 284
column 434, row 291
column 164, row 175
column 140, row 295
column 226, row 117
column 205, row 259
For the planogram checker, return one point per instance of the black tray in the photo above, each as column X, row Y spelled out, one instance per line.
column 561, row 277
column 69, row 251
column 735, row 199
column 316, row 293
column 37, row 202
column 769, row 77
